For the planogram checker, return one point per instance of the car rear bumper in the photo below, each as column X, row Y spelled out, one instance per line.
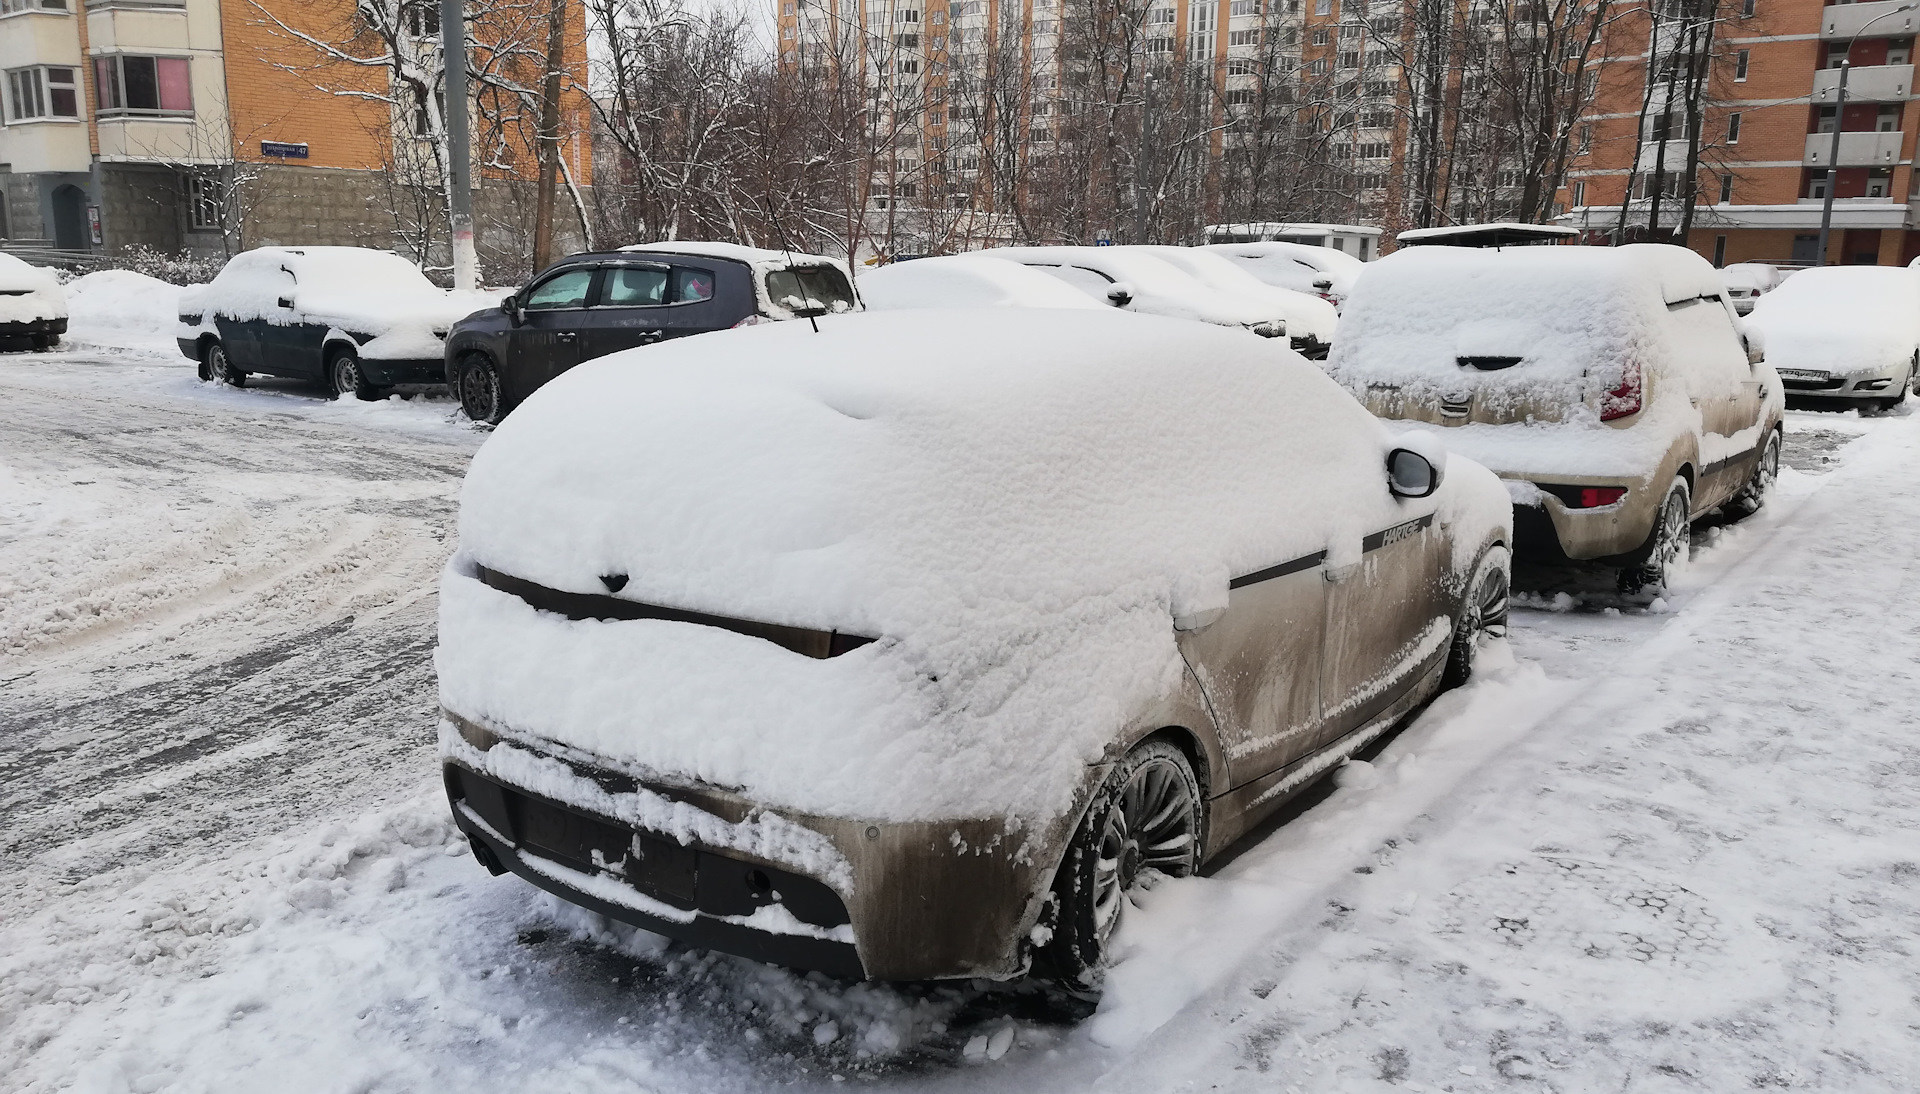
column 913, row 901
column 25, row 328
column 424, row 370
column 1554, row 529
column 189, row 347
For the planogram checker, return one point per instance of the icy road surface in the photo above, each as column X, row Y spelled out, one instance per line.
column 1647, row 850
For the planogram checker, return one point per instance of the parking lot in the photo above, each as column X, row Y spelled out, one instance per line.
column 1665, row 848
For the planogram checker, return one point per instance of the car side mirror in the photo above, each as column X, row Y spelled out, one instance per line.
column 510, row 304
column 286, row 302
column 1755, row 346
column 1411, row 475
column 1120, row 296
column 1323, row 283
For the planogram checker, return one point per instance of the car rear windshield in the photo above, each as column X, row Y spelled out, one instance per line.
column 810, row 289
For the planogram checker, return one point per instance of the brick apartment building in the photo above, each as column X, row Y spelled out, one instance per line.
column 1768, row 124
column 135, row 122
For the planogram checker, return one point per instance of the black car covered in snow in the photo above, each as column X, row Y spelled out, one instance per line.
column 590, row 305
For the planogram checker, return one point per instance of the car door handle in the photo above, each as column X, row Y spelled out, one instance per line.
column 648, row 337
column 565, row 335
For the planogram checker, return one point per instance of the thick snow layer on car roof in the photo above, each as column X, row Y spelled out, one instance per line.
column 1158, row 287
column 17, row 275
column 752, row 256
column 1305, row 315
column 1016, row 516
column 1294, row 265
column 1841, row 318
column 35, row 292
column 969, row 281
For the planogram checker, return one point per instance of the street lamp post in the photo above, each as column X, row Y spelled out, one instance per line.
column 1839, row 118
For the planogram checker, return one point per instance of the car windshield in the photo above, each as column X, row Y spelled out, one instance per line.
column 810, row 288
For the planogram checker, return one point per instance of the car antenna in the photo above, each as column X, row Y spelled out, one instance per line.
column 781, row 231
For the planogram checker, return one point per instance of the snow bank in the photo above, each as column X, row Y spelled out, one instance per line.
column 28, row 292
column 1016, row 516
column 123, row 303
column 968, row 281
column 1842, row 319
column 1578, row 318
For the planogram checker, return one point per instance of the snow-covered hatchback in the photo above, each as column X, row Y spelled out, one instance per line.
column 904, row 657
column 1612, row 388
column 359, row 321
column 33, row 306
column 1845, row 332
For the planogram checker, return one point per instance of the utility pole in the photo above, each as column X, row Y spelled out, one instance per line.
column 549, row 137
column 453, row 58
column 1142, row 163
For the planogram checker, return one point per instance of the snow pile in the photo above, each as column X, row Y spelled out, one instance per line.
column 122, row 303
column 351, row 289
column 1017, row 517
column 1842, row 319
column 1306, row 316
column 968, row 281
column 1579, row 319
column 29, row 292
column 1296, row 266
column 1156, row 286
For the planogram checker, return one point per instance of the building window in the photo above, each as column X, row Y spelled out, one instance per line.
column 1746, row 9
column 1240, row 97
column 1319, row 36
column 1733, row 128
column 1888, row 120
column 41, row 92
column 1243, row 37
column 1586, row 141
column 422, row 124
column 1240, row 66
column 1726, row 189
column 1580, row 193
column 10, row 6
column 1323, row 7
column 1350, row 59
column 206, row 195
column 1160, row 15
column 1245, row 7
column 143, row 85
column 1720, row 249
column 1740, row 64
column 1816, row 184
column 422, row 20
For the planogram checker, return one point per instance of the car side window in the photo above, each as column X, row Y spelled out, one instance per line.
column 563, row 290
column 1706, row 344
column 633, row 287
column 690, row 285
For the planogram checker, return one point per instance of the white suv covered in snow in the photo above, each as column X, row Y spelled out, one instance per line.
column 1611, row 387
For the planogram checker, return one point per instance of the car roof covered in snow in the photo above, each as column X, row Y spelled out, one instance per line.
column 758, row 257
column 1158, row 286
column 969, row 281
column 1750, row 275
column 17, row 275
column 1017, row 514
column 1504, row 233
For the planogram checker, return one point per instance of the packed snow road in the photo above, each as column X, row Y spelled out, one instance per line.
column 1648, row 849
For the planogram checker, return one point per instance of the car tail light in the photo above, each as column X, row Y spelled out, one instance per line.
column 1593, row 497
column 1625, row 399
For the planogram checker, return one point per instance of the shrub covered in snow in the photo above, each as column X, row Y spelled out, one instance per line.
column 123, row 302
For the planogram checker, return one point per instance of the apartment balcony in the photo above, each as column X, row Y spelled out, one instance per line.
column 1847, row 20
column 1871, row 84
column 1856, row 149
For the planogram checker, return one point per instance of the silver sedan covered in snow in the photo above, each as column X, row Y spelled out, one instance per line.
column 905, row 658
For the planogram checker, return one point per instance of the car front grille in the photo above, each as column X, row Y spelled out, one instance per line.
column 576, row 606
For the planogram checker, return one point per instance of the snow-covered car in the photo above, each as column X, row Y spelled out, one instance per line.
column 1747, row 282
column 1322, row 271
column 968, row 281
column 356, row 319
column 1309, row 319
column 33, row 307
column 1613, row 387
column 590, row 305
column 904, row 657
column 1136, row 281
column 1845, row 332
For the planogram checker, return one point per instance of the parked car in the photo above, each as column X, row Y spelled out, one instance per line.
column 33, row 306
column 905, row 657
column 590, row 305
column 1323, row 271
column 1139, row 282
column 1747, row 282
column 1309, row 319
column 1612, row 387
column 1845, row 332
column 354, row 319
column 974, row 280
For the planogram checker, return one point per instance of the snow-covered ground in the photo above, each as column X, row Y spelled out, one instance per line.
column 1647, row 850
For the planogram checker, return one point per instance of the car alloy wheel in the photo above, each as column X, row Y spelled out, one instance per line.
column 479, row 389
column 345, row 377
column 1669, row 548
column 1753, row 495
column 1146, row 817
column 1483, row 611
column 220, row 367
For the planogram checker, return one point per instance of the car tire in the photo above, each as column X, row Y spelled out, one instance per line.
column 1667, row 544
column 344, row 375
column 1483, row 611
column 42, row 342
column 1753, row 496
column 476, row 383
column 220, row 368
column 1147, row 815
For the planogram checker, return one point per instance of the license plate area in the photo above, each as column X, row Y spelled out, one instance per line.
column 660, row 868
column 1802, row 374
